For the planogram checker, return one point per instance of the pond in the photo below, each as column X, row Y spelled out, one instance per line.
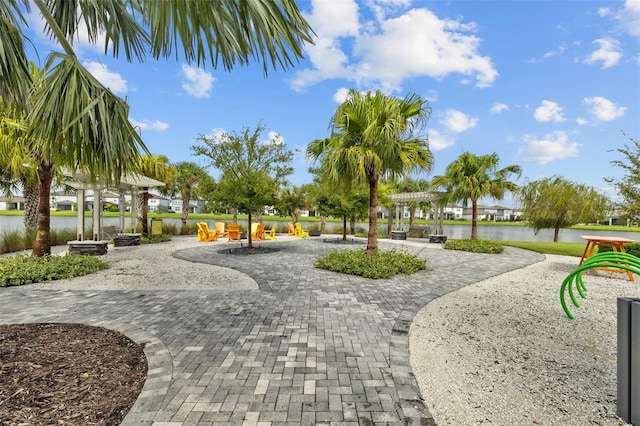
column 486, row 232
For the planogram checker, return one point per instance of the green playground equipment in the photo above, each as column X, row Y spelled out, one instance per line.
column 612, row 260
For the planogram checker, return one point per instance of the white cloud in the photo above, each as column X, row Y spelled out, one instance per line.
column 582, row 121
column 341, row 95
column 159, row 126
column 112, row 80
column 457, row 121
column 629, row 17
column 604, row 11
column 387, row 51
column 439, row 141
column 196, row 82
column 550, row 147
column 274, row 138
column 608, row 52
column 498, row 108
column 549, row 111
column 603, row 109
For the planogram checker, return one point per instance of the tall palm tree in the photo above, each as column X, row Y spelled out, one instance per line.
column 75, row 120
column 372, row 137
column 472, row 177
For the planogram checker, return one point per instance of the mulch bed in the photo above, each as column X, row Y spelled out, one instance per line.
column 68, row 374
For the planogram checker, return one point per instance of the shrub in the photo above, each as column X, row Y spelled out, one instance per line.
column 11, row 241
column 170, row 228
column 155, row 239
column 19, row 270
column 475, row 246
column 383, row 264
column 632, row 248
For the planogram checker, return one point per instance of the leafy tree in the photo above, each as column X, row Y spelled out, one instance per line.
column 186, row 180
column 74, row 120
column 557, row 203
column 629, row 186
column 372, row 137
column 290, row 201
column 472, row 177
column 252, row 170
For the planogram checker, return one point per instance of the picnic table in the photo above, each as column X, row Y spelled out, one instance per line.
column 616, row 244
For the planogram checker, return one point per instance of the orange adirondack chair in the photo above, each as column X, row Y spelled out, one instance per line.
column 292, row 231
column 204, row 234
column 233, row 232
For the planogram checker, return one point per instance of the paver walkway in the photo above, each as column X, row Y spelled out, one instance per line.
column 310, row 347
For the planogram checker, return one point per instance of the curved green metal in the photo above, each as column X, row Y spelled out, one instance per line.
column 616, row 260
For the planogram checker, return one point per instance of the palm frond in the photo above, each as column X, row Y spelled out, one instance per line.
column 14, row 70
column 80, row 123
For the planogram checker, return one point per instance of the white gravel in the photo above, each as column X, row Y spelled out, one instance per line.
column 152, row 267
column 503, row 352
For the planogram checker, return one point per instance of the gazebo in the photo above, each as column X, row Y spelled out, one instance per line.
column 404, row 199
column 131, row 182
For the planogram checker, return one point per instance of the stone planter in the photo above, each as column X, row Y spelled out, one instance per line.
column 314, row 233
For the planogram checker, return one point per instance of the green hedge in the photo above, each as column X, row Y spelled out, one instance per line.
column 19, row 270
column 631, row 248
column 383, row 264
column 475, row 246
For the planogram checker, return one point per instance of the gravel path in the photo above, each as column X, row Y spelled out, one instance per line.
column 503, row 352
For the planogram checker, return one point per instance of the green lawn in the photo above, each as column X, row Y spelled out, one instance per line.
column 565, row 249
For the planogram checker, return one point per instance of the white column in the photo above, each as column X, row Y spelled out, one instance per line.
column 122, row 206
column 80, row 215
column 134, row 203
column 97, row 232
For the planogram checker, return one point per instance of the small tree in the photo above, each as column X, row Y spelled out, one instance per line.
column 559, row 203
column 629, row 186
column 290, row 201
column 252, row 170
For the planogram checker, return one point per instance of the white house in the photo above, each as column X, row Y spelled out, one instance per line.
column 195, row 206
column 158, row 203
column 12, row 203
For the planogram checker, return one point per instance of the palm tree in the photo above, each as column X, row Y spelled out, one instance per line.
column 188, row 175
column 156, row 167
column 373, row 137
column 472, row 177
column 74, row 120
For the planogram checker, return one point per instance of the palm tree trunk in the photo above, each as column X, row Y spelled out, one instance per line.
column 323, row 222
column 142, row 208
column 185, row 209
column 372, row 236
column 42, row 243
column 474, row 219
column 352, row 224
column 389, row 222
column 412, row 215
column 30, row 192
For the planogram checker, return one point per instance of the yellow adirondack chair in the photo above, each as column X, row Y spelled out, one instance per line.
column 271, row 234
column 292, row 231
column 220, row 229
column 300, row 233
column 204, row 234
column 257, row 231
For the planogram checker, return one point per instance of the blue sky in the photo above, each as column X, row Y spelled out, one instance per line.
column 547, row 85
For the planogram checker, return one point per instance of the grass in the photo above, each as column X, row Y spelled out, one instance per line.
column 564, row 249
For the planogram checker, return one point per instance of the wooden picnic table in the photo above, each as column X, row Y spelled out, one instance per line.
column 616, row 244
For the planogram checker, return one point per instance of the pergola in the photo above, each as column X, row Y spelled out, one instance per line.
column 404, row 199
column 131, row 182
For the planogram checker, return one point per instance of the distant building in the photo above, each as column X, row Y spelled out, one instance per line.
column 12, row 203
